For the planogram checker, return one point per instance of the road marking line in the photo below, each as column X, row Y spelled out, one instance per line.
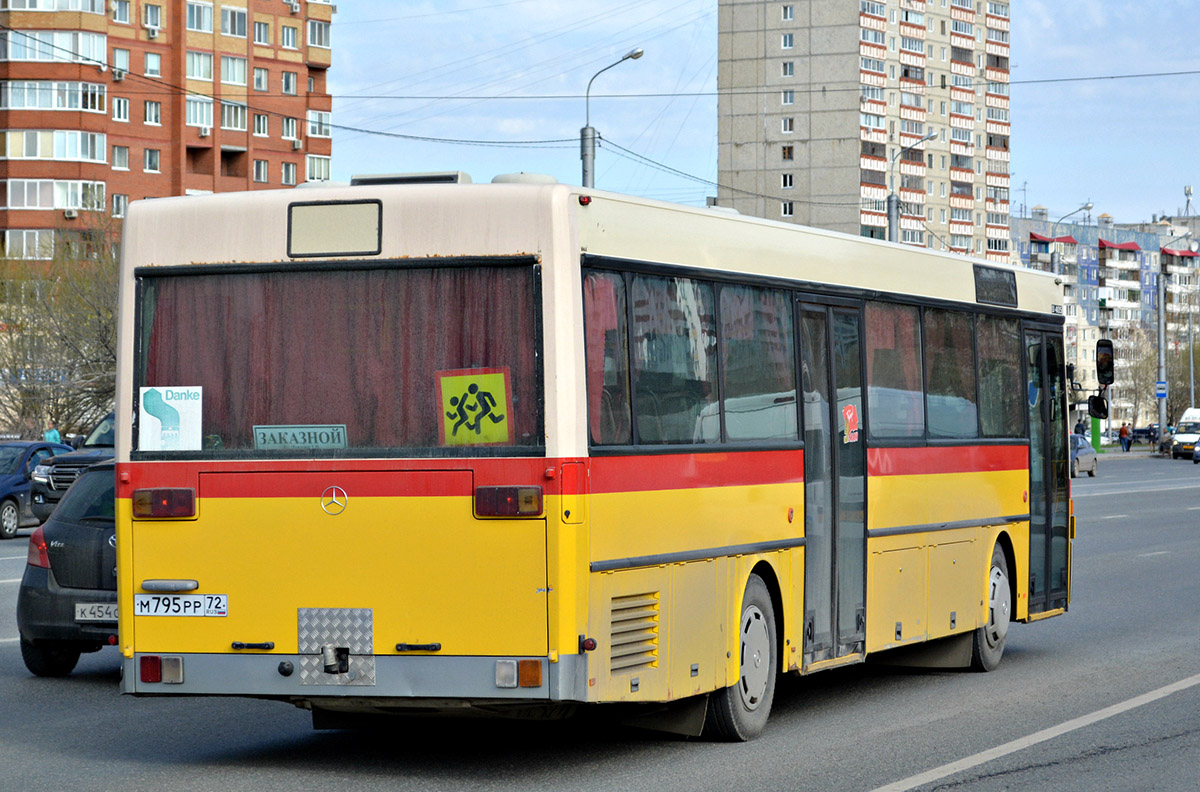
column 9, row 640
column 1133, row 491
column 13, row 558
column 938, row 773
column 1193, row 508
column 1113, row 516
column 1156, row 553
column 11, row 580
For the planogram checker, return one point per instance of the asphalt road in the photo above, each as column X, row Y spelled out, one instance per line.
column 1104, row 698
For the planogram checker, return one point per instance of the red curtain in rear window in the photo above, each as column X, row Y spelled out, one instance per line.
column 360, row 348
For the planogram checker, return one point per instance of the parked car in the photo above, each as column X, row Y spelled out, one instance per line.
column 52, row 477
column 1083, row 457
column 18, row 458
column 67, row 603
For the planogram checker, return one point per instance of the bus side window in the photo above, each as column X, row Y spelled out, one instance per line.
column 607, row 355
column 895, row 404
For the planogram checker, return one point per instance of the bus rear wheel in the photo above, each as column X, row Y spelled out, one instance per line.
column 989, row 640
column 739, row 712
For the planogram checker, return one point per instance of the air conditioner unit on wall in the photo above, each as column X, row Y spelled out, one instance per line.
column 296, row 144
column 70, row 214
column 118, row 75
column 151, row 32
column 205, row 131
column 295, row 8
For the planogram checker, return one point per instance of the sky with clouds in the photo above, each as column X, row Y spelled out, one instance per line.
column 497, row 87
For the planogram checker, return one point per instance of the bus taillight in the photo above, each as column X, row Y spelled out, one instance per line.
column 508, row 501
column 164, row 502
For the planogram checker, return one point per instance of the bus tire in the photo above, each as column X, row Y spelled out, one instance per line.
column 739, row 712
column 988, row 646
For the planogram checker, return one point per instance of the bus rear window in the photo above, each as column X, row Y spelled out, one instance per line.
column 417, row 360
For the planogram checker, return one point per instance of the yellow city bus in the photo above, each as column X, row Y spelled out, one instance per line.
column 521, row 446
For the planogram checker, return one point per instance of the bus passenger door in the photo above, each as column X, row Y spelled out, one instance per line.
column 1049, row 553
column 835, row 552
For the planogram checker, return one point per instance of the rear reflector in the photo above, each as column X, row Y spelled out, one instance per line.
column 508, row 501
column 38, row 556
column 164, row 502
column 150, row 668
column 529, row 673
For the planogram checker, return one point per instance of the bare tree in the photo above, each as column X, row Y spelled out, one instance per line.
column 58, row 333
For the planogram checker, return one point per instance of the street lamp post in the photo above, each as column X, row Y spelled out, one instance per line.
column 587, row 135
column 1055, row 259
column 893, row 200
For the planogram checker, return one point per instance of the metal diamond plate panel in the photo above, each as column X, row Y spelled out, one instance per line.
column 362, row 672
column 352, row 628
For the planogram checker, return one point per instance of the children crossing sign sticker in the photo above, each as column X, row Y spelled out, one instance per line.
column 475, row 406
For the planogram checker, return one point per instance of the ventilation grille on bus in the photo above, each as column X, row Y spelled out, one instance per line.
column 634, row 634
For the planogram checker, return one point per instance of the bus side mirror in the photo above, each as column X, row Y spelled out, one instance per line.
column 1104, row 364
column 1098, row 407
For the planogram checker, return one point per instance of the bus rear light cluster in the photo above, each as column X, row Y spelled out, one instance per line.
column 158, row 668
column 518, row 673
column 508, row 501
column 164, row 502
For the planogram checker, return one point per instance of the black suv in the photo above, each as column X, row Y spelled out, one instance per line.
column 67, row 603
column 52, row 477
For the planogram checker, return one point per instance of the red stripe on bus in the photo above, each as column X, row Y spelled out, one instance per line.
column 693, row 471
column 946, row 459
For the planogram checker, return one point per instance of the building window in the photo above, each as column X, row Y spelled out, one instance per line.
column 312, row 85
column 785, row 208
column 788, row 152
column 233, row 21
column 788, row 41
column 789, row 69
column 262, row 171
column 120, row 108
column 68, row 46
column 318, row 168
column 153, row 64
column 288, row 131
column 233, row 70
column 287, row 37
column 788, row 97
column 120, row 157
column 789, row 13
column 119, row 204
column 786, row 181
column 120, row 61
column 199, row 66
column 262, row 34
column 233, row 116
column 120, row 11
column 151, row 163
column 153, row 15
column 262, row 79
column 199, row 111
column 289, row 83
column 200, row 17
column 788, row 126
column 318, row 33
column 154, row 113
column 288, row 173
column 318, row 123
column 261, row 125
column 29, row 244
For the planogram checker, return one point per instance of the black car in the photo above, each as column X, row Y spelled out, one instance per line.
column 17, row 461
column 67, row 603
column 52, row 478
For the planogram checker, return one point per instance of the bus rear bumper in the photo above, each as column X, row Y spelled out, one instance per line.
column 401, row 680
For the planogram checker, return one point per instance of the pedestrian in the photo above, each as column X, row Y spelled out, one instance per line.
column 1123, row 436
column 1079, row 430
column 51, row 434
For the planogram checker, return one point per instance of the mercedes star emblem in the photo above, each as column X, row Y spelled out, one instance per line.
column 334, row 500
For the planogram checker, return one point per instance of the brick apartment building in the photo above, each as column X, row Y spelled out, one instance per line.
column 107, row 101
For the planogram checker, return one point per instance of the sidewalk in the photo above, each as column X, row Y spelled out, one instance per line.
column 1140, row 451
